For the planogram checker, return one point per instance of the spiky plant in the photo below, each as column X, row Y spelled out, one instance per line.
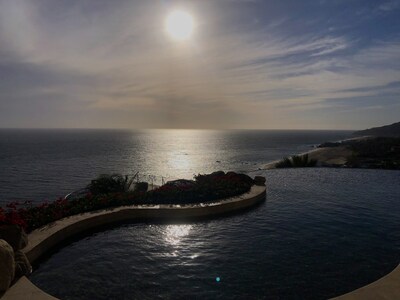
column 297, row 161
column 284, row 163
column 105, row 184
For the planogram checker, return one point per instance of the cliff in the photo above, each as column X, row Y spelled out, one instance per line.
column 388, row 130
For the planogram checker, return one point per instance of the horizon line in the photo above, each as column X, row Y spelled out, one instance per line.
column 194, row 129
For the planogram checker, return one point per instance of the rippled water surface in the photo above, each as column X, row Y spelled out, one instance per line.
column 45, row 164
column 321, row 233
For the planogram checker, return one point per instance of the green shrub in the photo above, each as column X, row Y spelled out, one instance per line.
column 284, row 163
column 353, row 161
column 141, row 187
column 205, row 188
column 106, row 184
column 297, row 161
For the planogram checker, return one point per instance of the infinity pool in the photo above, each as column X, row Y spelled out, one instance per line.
column 321, row 233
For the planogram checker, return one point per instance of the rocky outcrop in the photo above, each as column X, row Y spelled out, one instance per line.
column 14, row 235
column 259, row 180
column 388, row 130
column 13, row 262
column 7, row 266
column 22, row 265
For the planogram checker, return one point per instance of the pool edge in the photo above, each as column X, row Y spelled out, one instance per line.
column 44, row 239
column 387, row 287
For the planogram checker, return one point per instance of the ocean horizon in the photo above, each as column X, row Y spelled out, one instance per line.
column 44, row 164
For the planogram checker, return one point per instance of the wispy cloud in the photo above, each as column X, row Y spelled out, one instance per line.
column 113, row 66
column 390, row 5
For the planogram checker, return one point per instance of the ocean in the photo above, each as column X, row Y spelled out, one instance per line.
column 40, row 165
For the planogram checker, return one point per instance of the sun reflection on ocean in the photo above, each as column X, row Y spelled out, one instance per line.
column 180, row 160
column 176, row 154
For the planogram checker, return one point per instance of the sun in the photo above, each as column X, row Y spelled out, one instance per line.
column 179, row 25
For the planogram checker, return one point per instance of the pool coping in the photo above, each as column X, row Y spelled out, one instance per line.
column 42, row 240
column 387, row 287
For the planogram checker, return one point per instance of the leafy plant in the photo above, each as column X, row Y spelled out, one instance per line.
column 210, row 187
column 284, row 163
column 141, row 186
column 353, row 160
column 105, row 184
column 297, row 161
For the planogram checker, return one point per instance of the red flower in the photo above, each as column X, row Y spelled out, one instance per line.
column 15, row 218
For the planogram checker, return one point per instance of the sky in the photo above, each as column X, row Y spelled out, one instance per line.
column 287, row 64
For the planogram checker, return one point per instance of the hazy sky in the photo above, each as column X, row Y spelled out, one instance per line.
column 332, row 64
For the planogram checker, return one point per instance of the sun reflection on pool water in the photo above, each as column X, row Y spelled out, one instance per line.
column 174, row 233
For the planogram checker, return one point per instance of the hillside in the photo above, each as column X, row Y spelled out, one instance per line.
column 388, row 130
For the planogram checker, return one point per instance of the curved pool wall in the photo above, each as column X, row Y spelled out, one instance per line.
column 48, row 237
column 42, row 240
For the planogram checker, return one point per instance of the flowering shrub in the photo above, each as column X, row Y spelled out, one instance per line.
column 31, row 217
column 204, row 188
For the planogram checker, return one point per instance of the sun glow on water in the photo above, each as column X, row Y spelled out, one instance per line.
column 175, row 233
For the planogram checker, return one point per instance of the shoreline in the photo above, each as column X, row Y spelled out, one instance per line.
column 326, row 156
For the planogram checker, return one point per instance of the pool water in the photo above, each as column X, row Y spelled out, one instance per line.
column 321, row 233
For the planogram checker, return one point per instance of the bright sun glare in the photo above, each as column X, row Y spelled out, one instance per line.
column 179, row 25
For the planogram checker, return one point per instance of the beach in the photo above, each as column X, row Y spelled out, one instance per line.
column 330, row 156
column 326, row 156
